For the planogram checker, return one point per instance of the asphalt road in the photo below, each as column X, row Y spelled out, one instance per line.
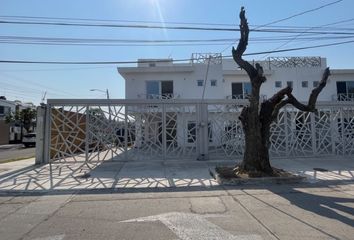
column 16, row 153
column 232, row 213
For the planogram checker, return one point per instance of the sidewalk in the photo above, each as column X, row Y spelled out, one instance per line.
column 11, row 146
column 24, row 176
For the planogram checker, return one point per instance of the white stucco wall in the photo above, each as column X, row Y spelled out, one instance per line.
column 185, row 76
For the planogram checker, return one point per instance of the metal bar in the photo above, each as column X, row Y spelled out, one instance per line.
column 163, row 125
column 87, row 132
column 105, row 102
column 333, row 126
column 286, row 124
column 313, row 133
column 46, row 157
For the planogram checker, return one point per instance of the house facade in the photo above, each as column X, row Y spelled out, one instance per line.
column 212, row 80
column 223, row 79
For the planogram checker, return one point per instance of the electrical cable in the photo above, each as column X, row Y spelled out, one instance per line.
column 176, row 60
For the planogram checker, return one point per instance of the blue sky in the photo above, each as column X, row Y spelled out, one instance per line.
column 28, row 82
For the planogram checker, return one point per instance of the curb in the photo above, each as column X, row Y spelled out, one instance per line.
column 260, row 180
column 10, row 146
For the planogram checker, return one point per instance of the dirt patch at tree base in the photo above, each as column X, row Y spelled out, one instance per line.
column 231, row 175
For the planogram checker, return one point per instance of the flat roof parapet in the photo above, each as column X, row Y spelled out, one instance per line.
column 149, row 62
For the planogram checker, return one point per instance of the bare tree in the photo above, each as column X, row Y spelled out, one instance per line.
column 256, row 118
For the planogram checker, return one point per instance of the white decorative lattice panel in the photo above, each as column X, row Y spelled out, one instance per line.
column 163, row 130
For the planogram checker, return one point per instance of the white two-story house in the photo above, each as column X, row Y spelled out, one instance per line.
column 164, row 79
column 211, row 77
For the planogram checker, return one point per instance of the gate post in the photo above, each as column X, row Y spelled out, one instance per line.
column 40, row 137
column 45, row 158
column 202, row 137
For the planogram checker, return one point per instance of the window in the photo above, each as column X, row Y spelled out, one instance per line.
column 159, row 89
column 152, row 64
column 167, row 89
column 152, row 89
column 247, row 88
column 305, row 84
column 278, row 84
column 2, row 110
column 200, row 83
column 316, row 83
column 345, row 90
column 213, row 83
column 289, row 84
column 241, row 90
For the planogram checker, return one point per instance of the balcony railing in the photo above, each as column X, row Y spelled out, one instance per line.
column 244, row 96
column 159, row 96
column 344, row 97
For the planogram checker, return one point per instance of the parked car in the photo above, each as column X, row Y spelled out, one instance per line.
column 29, row 139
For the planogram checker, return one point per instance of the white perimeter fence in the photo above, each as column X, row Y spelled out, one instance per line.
column 128, row 130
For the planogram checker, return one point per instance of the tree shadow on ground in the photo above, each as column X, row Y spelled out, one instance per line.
column 314, row 198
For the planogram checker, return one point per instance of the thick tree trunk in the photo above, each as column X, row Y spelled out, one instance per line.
column 256, row 119
column 256, row 156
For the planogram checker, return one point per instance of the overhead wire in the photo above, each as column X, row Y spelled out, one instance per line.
column 163, row 27
column 175, row 60
column 41, row 86
column 290, row 17
column 305, row 31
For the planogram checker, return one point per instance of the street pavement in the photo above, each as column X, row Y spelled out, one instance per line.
column 174, row 200
column 15, row 151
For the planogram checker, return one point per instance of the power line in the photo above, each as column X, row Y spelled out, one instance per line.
column 164, row 27
column 116, row 20
column 35, row 84
column 54, row 69
column 149, row 22
column 176, row 60
column 290, row 17
column 304, row 32
column 52, row 40
column 115, row 45
column 300, row 14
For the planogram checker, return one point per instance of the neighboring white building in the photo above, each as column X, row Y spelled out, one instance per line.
column 162, row 78
column 10, row 132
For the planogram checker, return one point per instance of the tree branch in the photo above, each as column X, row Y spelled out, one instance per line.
column 241, row 47
column 277, row 109
column 271, row 107
column 311, row 105
column 316, row 91
column 280, row 95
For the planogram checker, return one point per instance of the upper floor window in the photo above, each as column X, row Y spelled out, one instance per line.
column 213, row 83
column 345, row 90
column 152, row 64
column 159, row 89
column 316, row 83
column 241, row 90
column 278, row 84
column 200, row 83
column 289, row 84
column 304, row 84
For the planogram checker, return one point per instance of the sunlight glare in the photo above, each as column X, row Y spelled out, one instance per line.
column 156, row 4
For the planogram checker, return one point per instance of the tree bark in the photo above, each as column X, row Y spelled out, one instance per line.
column 256, row 119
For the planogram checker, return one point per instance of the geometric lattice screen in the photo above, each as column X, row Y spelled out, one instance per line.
column 171, row 130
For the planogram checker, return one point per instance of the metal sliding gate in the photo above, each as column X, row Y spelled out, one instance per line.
column 124, row 130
